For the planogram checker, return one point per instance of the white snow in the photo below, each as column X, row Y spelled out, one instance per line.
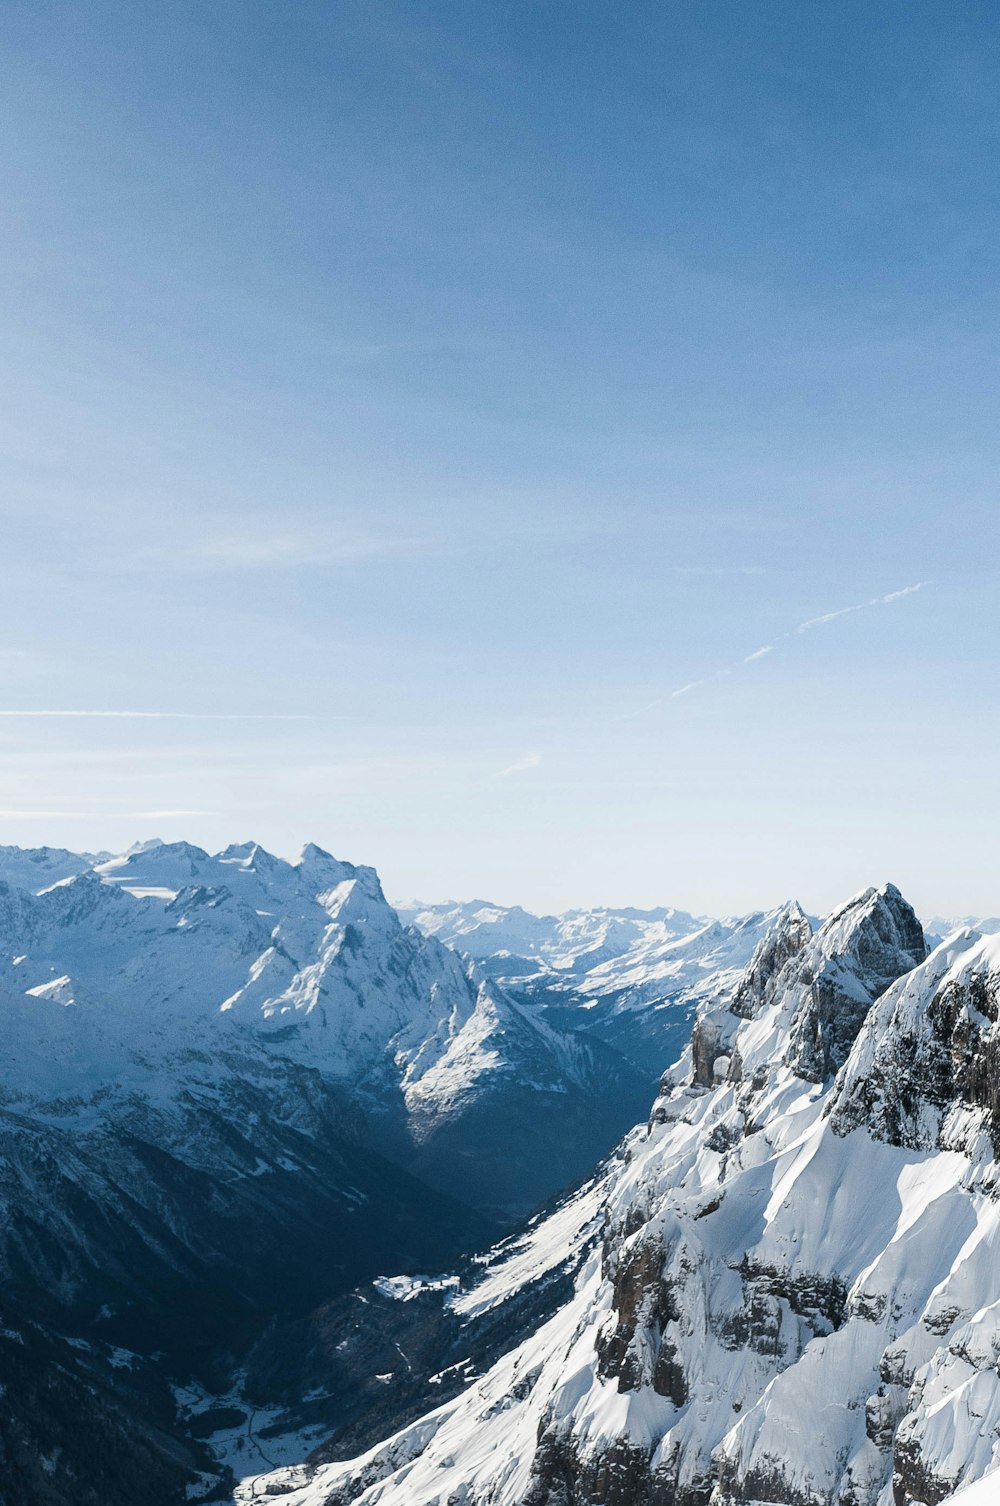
column 985, row 1492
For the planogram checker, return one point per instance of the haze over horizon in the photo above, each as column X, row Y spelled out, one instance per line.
column 546, row 454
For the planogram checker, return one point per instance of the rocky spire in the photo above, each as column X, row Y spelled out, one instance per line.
column 790, row 933
column 856, row 954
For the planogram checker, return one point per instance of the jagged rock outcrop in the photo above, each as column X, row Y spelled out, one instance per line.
column 865, row 946
column 714, row 1057
column 930, row 1059
column 787, row 937
column 714, row 1033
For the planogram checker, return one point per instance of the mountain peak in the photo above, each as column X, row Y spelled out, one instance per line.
column 236, row 852
column 879, row 911
column 787, row 936
column 260, row 860
column 763, row 981
column 856, row 954
column 313, row 853
column 317, row 863
column 157, row 851
column 82, row 895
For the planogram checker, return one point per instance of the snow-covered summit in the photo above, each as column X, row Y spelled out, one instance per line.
column 37, row 868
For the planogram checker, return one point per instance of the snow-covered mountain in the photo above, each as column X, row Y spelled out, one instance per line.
column 117, row 980
column 788, row 1290
column 38, row 868
column 239, row 1093
column 631, row 978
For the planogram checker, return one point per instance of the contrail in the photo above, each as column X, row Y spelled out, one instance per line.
column 803, row 627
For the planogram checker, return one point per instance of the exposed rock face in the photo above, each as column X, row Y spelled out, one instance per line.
column 711, row 1046
column 642, row 1347
column 869, row 944
column 796, row 1295
column 620, row 1477
column 934, row 1057
column 714, row 1033
column 790, row 933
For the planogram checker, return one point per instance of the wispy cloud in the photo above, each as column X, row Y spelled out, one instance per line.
column 250, row 551
column 99, row 815
column 174, row 716
column 717, row 570
column 803, row 627
column 161, row 815
column 719, row 674
column 521, row 765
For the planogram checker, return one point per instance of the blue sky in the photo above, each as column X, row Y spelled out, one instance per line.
column 417, row 396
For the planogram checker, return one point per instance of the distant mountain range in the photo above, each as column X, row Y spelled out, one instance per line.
column 633, row 978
